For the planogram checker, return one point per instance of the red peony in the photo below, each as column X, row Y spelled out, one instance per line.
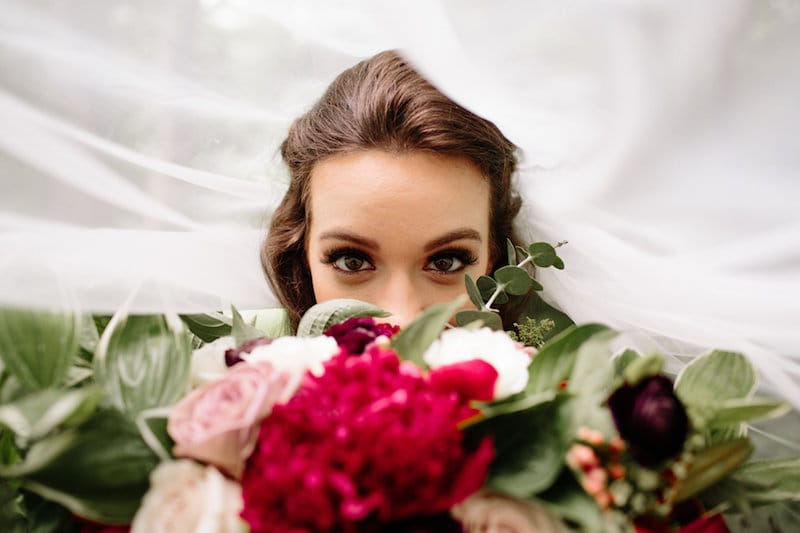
column 370, row 442
column 354, row 334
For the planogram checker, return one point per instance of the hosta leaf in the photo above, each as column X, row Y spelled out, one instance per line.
column 744, row 410
column 208, row 326
column 143, row 362
column 554, row 362
column 39, row 413
column 323, row 315
column 716, row 377
column 711, row 465
column 590, row 384
column 411, row 342
column 38, row 347
column 241, row 330
column 98, row 470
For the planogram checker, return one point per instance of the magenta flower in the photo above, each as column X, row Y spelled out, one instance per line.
column 370, row 442
column 354, row 334
column 651, row 419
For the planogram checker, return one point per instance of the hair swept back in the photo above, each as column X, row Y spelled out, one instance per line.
column 379, row 103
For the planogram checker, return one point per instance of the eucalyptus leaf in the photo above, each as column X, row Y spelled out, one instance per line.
column 323, row 315
column 558, row 263
column 712, row 465
column 555, row 360
column 488, row 318
column 513, row 279
column 208, row 326
column 41, row 412
column 473, row 292
column 511, row 252
column 99, row 470
column 38, row 347
column 241, row 330
column 143, row 362
column 543, row 254
column 487, row 286
column 412, row 341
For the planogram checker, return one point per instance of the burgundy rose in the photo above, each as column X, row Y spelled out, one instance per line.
column 651, row 419
column 234, row 355
column 354, row 334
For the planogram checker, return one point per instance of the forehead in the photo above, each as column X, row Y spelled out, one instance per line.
column 375, row 192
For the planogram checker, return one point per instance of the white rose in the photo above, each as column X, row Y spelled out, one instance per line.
column 508, row 357
column 208, row 361
column 187, row 497
column 485, row 512
column 295, row 356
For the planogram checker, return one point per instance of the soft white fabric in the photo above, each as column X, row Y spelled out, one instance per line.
column 139, row 150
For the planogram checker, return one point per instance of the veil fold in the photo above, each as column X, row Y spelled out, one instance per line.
column 139, row 151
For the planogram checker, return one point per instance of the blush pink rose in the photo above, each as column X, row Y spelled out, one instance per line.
column 218, row 423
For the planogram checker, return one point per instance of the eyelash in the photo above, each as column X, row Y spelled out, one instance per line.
column 465, row 257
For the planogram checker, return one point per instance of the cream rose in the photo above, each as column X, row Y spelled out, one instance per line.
column 509, row 358
column 218, row 423
column 486, row 512
column 208, row 361
column 187, row 497
column 295, row 356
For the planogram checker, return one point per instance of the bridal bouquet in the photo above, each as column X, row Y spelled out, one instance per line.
column 204, row 423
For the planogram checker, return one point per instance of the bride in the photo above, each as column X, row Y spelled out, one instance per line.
column 138, row 155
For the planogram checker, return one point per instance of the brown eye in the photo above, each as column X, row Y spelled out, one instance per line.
column 445, row 264
column 352, row 263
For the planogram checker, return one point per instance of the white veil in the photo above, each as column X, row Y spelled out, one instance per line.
column 139, row 150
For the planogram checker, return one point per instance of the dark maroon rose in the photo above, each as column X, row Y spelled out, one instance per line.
column 651, row 419
column 354, row 334
column 234, row 355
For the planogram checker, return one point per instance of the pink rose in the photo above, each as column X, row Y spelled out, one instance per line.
column 218, row 423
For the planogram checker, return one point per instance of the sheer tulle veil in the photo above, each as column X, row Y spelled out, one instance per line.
column 139, row 151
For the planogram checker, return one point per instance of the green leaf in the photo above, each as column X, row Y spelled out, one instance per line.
column 208, row 326
column 488, row 318
column 45, row 516
column 39, row 413
column 513, row 279
column 711, row 465
column 516, row 404
column 323, row 315
column 567, row 499
column 643, row 367
column 511, row 253
column 473, row 292
column 623, row 359
column 590, row 384
column 411, row 342
column 241, row 330
column 558, row 263
column 743, row 410
column 487, row 286
column 529, row 448
column 716, row 377
column 554, row 362
column 99, row 470
column 543, row 254
column 143, row 362
column 37, row 347
column 769, row 481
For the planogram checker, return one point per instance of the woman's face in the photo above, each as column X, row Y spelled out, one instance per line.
column 396, row 230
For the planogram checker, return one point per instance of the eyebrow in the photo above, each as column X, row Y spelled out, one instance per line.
column 455, row 235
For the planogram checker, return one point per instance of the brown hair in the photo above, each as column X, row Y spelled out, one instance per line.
column 379, row 103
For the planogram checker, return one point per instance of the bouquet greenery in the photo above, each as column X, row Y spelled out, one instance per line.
column 213, row 423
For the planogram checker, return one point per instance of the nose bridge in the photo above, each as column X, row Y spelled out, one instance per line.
column 401, row 297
